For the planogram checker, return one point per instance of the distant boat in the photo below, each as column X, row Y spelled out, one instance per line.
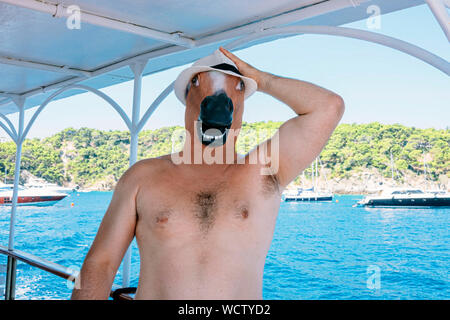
column 407, row 198
column 300, row 194
column 49, row 187
column 307, row 195
column 30, row 196
column 38, row 183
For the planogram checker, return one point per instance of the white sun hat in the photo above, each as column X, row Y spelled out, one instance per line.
column 214, row 62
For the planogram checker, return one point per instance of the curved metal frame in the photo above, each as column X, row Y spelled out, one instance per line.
column 11, row 131
column 368, row 36
column 11, row 134
column 163, row 95
column 105, row 97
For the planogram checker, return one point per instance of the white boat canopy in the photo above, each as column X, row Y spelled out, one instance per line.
column 39, row 53
column 51, row 49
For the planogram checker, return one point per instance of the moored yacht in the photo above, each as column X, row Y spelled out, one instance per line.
column 407, row 198
column 31, row 196
column 39, row 183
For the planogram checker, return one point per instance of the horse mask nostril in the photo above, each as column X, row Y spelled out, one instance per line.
column 217, row 109
column 215, row 118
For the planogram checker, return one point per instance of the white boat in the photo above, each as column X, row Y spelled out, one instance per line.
column 407, row 197
column 307, row 195
column 30, row 196
column 404, row 197
column 50, row 187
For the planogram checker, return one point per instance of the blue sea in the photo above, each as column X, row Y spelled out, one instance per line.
column 327, row 250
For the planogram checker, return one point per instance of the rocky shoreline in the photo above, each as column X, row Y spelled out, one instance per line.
column 364, row 182
column 370, row 181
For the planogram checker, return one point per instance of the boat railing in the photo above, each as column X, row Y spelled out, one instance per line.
column 54, row 268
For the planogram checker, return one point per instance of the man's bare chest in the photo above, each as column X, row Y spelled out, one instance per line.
column 233, row 202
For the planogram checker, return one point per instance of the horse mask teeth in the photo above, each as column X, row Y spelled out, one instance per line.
column 214, row 121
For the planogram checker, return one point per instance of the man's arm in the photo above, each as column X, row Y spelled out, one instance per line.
column 111, row 242
column 301, row 138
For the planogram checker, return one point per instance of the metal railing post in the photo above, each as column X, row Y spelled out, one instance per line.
column 10, row 288
column 10, row 285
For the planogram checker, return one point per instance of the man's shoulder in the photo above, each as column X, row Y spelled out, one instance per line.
column 150, row 166
column 144, row 169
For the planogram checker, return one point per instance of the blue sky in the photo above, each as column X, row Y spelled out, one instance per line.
column 377, row 83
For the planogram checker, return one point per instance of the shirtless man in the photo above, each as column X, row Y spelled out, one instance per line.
column 204, row 230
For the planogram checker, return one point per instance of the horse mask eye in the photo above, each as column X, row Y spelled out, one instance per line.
column 195, row 81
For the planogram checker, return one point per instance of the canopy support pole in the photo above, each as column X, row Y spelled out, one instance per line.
column 137, row 69
column 10, row 291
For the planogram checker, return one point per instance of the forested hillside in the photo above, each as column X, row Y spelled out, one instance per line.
column 94, row 158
